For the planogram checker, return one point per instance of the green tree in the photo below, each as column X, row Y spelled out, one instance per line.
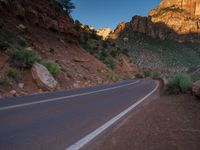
column 67, row 5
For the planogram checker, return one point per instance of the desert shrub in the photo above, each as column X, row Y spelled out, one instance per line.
column 22, row 57
column 65, row 5
column 23, row 28
column 138, row 76
column 50, row 50
column 155, row 75
column 113, row 76
column 195, row 77
column 104, row 44
column 127, row 77
column 5, row 81
column 147, row 74
column 52, row 67
column 9, row 39
column 14, row 74
column 179, row 82
column 2, row 24
column 110, row 63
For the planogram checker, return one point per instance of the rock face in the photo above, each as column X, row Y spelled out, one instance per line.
column 104, row 32
column 38, row 12
column 191, row 6
column 196, row 88
column 117, row 31
column 173, row 19
column 43, row 78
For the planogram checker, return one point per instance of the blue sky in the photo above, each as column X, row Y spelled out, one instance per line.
column 109, row 13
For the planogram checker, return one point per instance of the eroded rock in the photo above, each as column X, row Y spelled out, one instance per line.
column 196, row 88
column 43, row 78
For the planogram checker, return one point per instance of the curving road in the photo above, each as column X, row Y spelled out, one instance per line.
column 68, row 120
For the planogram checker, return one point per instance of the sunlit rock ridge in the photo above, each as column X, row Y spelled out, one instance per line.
column 173, row 19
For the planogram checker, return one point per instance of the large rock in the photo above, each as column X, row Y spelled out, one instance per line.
column 43, row 78
column 196, row 88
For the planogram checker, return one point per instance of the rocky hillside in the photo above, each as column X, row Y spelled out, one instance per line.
column 40, row 31
column 107, row 52
column 164, row 38
column 173, row 19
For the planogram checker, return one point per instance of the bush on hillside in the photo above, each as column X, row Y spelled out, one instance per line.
column 179, row 82
column 65, row 5
column 147, row 73
column 9, row 39
column 52, row 67
column 14, row 74
column 22, row 57
column 155, row 75
column 109, row 62
column 195, row 77
column 5, row 81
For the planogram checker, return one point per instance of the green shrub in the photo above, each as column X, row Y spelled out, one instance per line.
column 179, row 82
column 9, row 39
column 195, row 77
column 127, row 77
column 14, row 74
column 22, row 57
column 147, row 74
column 113, row 76
column 138, row 76
column 155, row 75
column 110, row 63
column 52, row 67
column 5, row 81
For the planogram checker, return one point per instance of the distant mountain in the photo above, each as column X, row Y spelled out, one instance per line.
column 104, row 32
column 172, row 19
column 168, row 37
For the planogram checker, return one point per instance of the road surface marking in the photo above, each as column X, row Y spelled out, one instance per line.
column 66, row 97
column 85, row 140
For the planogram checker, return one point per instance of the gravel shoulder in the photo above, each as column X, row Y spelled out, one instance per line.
column 163, row 123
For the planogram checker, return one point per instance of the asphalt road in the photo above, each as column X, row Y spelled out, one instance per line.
column 55, row 121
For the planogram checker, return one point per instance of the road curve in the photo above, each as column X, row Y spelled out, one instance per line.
column 55, row 121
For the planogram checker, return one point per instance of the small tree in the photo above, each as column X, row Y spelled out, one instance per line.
column 67, row 5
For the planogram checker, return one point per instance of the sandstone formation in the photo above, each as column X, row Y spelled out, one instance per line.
column 43, row 78
column 104, row 32
column 172, row 19
column 117, row 31
column 196, row 88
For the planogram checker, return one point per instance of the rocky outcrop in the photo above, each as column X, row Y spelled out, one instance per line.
column 104, row 32
column 191, row 6
column 173, row 19
column 196, row 88
column 43, row 78
column 38, row 12
column 114, row 35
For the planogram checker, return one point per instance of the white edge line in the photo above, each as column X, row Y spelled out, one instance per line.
column 66, row 97
column 85, row 140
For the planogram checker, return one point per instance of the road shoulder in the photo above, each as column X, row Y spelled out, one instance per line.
column 165, row 122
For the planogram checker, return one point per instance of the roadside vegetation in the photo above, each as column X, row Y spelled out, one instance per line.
column 16, row 48
column 12, row 75
column 52, row 67
column 179, row 83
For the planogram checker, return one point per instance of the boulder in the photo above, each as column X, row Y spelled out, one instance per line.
column 196, row 88
column 13, row 93
column 43, row 78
